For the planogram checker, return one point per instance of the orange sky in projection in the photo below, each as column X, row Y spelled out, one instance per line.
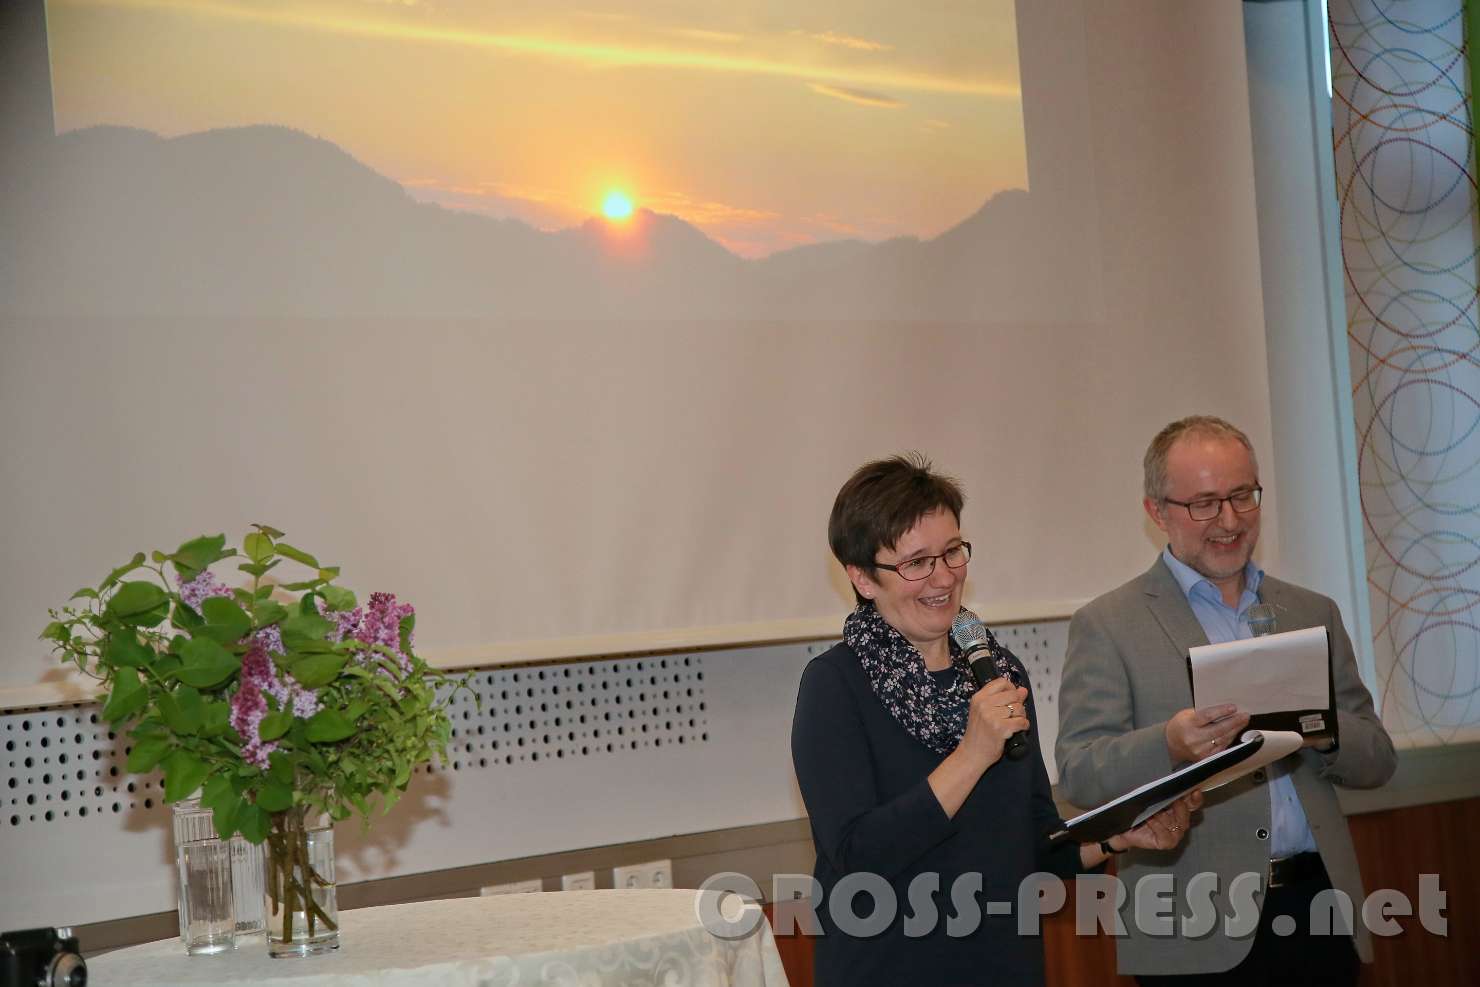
column 766, row 123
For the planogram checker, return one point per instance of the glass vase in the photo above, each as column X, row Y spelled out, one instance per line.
column 201, row 885
column 302, row 915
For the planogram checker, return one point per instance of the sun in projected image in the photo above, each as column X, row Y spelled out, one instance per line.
column 617, row 206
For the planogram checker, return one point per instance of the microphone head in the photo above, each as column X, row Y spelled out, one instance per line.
column 968, row 631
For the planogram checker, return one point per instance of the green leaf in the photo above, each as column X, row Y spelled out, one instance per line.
column 303, row 631
column 197, row 554
column 84, row 592
column 217, row 791
column 338, row 598
column 408, row 624
column 317, row 670
column 225, row 621
column 182, row 710
column 274, row 725
column 275, row 797
column 205, row 664
column 268, row 530
column 124, row 649
column 215, row 719
column 127, row 696
column 225, row 815
column 134, row 600
column 329, row 573
column 280, row 768
column 258, row 569
column 122, row 571
column 258, row 546
column 297, row 555
column 56, row 631
column 146, row 754
column 270, row 612
column 253, row 823
column 329, row 726
column 184, row 772
column 185, row 618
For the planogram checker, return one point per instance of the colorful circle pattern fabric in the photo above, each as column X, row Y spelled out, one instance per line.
column 1406, row 179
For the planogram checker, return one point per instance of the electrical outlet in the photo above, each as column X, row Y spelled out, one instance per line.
column 653, row 874
column 584, row 881
column 513, row 887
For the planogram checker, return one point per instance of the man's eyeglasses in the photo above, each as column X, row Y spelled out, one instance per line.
column 917, row 569
column 1207, row 508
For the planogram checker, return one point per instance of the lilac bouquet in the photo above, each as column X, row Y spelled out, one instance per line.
column 281, row 702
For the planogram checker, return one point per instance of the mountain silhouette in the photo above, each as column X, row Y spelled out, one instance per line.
column 266, row 221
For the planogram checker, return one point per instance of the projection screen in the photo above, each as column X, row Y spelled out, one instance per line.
column 565, row 321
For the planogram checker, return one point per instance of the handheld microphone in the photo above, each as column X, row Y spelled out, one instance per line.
column 988, row 660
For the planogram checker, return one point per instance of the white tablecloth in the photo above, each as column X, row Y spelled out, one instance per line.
column 615, row 938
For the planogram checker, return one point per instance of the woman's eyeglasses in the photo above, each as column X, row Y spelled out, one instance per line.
column 917, row 569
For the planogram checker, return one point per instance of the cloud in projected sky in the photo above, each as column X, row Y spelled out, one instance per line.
column 859, row 96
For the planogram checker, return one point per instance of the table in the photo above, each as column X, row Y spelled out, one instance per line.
column 616, row 938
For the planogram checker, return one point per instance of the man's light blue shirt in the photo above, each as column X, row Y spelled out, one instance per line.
column 1289, row 831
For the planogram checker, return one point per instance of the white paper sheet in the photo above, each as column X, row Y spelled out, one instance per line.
column 1277, row 673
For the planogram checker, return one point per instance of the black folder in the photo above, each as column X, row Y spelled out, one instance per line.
column 1255, row 749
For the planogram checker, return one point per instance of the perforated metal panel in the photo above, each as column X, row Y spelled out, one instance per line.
column 581, row 710
column 64, row 764
column 559, row 757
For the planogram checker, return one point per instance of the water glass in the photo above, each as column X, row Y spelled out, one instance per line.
column 207, row 908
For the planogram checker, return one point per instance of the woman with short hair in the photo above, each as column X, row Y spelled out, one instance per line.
column 898, row 755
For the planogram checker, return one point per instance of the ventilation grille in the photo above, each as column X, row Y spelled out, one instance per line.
column 64, row 763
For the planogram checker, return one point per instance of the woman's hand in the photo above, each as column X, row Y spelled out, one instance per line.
column 997, row 712
column 1164, row 830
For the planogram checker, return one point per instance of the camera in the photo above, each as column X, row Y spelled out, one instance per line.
column 41, row 958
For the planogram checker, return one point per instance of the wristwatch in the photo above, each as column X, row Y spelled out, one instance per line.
column 1109, row 850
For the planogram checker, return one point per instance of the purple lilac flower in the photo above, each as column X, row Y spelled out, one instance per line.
column 249, row 705
column 271, row 639
column 379, row 623
column 305, row 703
column 259, row 679
column 345, row 621
column 205, row 585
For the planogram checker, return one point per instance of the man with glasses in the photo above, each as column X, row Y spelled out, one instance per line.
column 1126, row 717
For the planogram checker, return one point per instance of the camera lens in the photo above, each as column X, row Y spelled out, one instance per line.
column 67, row 970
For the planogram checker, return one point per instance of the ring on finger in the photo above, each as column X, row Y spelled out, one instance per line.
column 1010, row 713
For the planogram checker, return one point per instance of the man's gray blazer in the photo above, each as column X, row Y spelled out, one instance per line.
column 1125, row 675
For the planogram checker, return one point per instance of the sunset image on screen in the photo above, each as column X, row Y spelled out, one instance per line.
column 763, row 123
column 548, row 159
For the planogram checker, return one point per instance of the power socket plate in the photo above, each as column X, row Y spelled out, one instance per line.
column 652, row 874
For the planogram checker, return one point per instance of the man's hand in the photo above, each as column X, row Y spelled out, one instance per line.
column 1193, row 734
